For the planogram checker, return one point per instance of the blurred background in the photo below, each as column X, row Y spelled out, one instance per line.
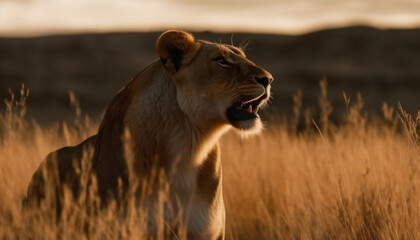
column 94, row 47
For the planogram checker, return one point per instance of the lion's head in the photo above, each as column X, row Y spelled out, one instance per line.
column 216, row 83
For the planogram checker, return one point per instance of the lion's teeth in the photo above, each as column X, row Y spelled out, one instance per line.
column 250, row 109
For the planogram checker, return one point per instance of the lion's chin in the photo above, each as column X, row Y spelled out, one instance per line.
column 248, row 128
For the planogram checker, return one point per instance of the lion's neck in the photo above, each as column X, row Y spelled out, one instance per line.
column 170, row 134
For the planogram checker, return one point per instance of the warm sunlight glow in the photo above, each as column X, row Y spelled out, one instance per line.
column 33, row 17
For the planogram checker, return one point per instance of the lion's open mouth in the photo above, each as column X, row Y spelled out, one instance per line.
column 245, row 109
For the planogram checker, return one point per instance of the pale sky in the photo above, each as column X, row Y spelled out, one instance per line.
column 38, row 17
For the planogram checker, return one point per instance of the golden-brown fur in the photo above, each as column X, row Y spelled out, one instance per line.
column 175, row 111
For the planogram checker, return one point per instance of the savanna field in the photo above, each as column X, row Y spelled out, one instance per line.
column 302, row 178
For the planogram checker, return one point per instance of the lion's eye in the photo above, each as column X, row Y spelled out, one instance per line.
column 223, row 62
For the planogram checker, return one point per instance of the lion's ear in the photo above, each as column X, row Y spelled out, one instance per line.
column 176, row 48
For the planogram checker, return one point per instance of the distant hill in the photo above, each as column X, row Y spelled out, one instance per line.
column 383, row 65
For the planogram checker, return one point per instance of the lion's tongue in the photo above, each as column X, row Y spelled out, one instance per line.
column 249, row 109
column 242, row 113
column 255, row 110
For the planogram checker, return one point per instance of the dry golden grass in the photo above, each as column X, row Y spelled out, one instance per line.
column 357, row 181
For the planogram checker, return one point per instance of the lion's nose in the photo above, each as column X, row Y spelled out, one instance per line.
column 264, row 80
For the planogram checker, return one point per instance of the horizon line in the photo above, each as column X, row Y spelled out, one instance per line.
column 32, row 33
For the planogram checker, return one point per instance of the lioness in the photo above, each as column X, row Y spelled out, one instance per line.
column 175, row 110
